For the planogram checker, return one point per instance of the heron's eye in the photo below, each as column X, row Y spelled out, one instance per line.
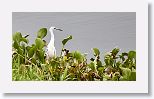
column 54, row 28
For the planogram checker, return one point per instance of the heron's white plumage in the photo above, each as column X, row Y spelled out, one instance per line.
column 51, row 50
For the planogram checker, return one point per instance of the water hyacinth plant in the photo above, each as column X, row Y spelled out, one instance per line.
column 29, row 62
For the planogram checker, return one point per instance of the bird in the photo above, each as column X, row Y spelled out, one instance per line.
column 51, row 50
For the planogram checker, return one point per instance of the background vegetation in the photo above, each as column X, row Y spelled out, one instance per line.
column 29, row 62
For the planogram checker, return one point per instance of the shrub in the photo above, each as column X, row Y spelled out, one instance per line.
column 29, row 63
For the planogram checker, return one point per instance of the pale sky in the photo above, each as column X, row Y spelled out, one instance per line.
column 103, row 30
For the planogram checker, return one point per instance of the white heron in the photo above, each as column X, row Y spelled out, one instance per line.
column 51, row 50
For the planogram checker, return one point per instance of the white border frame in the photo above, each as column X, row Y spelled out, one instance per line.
column 138, row 6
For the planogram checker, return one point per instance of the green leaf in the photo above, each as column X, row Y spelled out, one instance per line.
column 39, row 43
column 20, row 50
column 38, row 76
column 106, row 77
column 31, row 51
column 41, row 55
column 118, row 64
column 54, row 64
column 108, row 60
column 16, row 45
column 25, row 40
column 23, row 46
column 66, row 40
column 126, row 72
column 65, row 73
column 77, row 55
column 124, row 54
column 132, row 54
column 115, row 51
column 116, row 76
column 42, row 33
column 17, row 36
column 100, row 69
column 133, row 76
column 33, row 60
column 96, row 51
column 28, row 48
column 99, row 63
column 92, row 65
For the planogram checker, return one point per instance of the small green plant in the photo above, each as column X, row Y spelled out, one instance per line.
column 29, row 62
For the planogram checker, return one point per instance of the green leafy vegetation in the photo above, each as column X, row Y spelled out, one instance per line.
column 29, row 62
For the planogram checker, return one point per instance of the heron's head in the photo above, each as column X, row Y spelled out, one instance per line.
column 54, row 28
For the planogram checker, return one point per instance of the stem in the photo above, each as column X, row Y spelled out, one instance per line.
column 62, row 50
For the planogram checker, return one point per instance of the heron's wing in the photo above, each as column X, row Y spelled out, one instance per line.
column 51, row 51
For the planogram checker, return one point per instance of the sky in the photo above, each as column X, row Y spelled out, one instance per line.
column 102, row 30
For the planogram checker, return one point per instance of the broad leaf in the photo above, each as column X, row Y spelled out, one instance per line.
column 100, row 69
column 39, row 43
column 31, row 51
column 96, row 51
column 115, row 51
column 133, row 76
column 17, row 36
column 92, row 65
column 16, row 44
column 66, row 40
column 28, row 48
column 126, row 72
column 42, row 33
column 132, row 54
column 99, row 63
column 41, row 55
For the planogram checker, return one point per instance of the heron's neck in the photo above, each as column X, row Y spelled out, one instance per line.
column 52, row 38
